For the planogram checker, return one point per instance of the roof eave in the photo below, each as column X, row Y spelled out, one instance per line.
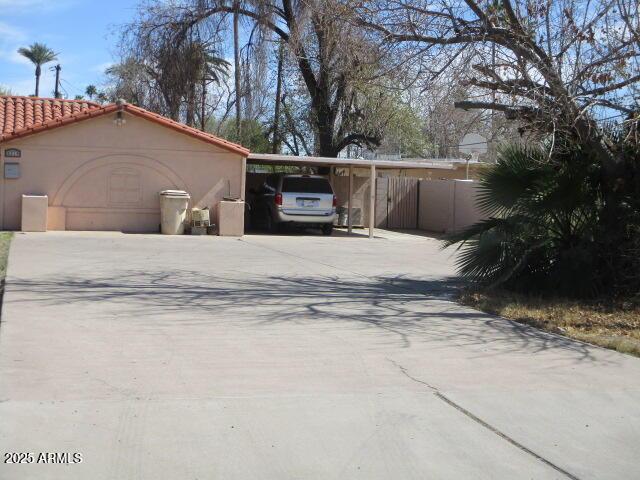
column 133, row 110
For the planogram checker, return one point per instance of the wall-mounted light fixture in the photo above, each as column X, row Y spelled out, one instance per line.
column 120, row 120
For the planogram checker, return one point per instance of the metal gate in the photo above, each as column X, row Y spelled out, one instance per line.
column 397, row 200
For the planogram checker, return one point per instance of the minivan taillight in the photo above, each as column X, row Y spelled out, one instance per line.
column 335, row 201
column 278, row 199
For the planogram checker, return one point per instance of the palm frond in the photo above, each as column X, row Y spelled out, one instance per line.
column 512, row 180
column 38, row 53
column 544, row 228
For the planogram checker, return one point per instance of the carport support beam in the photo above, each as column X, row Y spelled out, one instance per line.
column 372, row 200
column 350, row 202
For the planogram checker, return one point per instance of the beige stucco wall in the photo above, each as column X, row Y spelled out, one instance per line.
column 448, row 205
column 466, row 211
column 435, row 213
column 100, row 176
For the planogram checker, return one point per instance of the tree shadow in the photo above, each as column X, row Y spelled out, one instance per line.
column 410, row 311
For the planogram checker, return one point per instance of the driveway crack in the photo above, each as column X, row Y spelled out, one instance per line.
column 406, row 373
column 436, row 392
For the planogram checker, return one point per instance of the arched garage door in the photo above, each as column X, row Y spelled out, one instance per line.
column 117, row 192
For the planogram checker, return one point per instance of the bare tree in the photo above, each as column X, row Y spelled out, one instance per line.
column 333, row 59
column 559, row 65
column 169, row 68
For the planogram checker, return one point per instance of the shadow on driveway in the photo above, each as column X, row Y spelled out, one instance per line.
column 409, row 310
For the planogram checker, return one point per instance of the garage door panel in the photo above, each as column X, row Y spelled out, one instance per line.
column 119, row 195
column 118, row 186
column 126, row 220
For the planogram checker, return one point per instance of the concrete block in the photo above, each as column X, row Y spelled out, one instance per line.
column 34, row 213
column 231, row 218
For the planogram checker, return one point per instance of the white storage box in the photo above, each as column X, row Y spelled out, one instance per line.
column 34, row 213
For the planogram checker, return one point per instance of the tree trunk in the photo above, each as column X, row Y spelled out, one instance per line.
column 276, row 114
column 203, row 105
column 191, row 105
column 326, row 148
column 38, row 71
column 236, row 59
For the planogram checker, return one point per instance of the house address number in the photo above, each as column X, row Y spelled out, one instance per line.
column 12, row 153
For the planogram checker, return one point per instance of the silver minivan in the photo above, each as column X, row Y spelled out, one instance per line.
column 300, row 200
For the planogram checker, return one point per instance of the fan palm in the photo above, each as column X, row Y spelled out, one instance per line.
column 39, row 54
column 202, row 67
column 91, row 91
column 541, row 226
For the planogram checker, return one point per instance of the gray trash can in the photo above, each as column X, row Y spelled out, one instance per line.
column 173, row 211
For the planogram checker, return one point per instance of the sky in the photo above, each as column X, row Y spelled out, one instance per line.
column 82, row 32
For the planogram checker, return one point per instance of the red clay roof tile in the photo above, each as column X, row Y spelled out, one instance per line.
column 19, row 113
column 22, row 116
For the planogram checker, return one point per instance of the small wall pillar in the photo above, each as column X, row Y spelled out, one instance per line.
column 34, row 213
column 231, row 218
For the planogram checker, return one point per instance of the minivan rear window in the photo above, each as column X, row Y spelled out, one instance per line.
column 306, row 185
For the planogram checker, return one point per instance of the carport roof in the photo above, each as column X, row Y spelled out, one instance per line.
column 67, row 116
column 271, row 159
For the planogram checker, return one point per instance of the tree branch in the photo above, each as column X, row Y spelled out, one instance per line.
column 613, row 86
column 509, row 110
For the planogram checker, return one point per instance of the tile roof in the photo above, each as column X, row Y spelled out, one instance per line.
column 19, row 113
column 52, row 113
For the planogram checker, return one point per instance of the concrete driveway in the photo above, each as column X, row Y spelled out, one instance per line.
column 290, row 357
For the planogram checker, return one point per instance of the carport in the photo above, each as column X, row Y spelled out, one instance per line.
column 348, row 163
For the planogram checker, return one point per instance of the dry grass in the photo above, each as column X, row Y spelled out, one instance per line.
column 5, row 241
column 609, row 324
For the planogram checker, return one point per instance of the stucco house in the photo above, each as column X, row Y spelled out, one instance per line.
column 103, row 166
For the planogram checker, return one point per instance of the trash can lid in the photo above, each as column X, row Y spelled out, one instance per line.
column 174, row 193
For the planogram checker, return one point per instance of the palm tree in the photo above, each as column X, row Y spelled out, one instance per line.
column 39, row 54
column 204, row 67
column 541, row 232
column 91, row 91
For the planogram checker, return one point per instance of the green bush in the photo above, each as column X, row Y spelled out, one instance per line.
column 550, row 226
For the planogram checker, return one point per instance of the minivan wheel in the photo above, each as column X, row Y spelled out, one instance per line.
column 327, row 229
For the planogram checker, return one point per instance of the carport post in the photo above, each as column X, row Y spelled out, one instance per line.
column 350, row 203
column 372, row 200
